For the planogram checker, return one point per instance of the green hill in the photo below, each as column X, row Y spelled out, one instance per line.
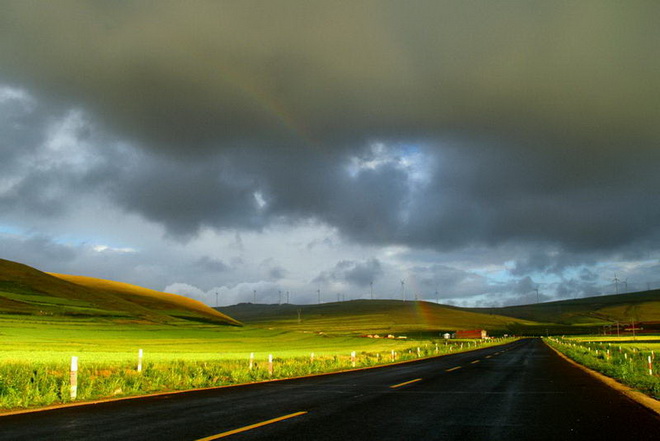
column 371, row 317
column 588, row 311
column 27, row 291
column 578, row 316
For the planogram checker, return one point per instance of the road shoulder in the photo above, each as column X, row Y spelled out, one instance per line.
column 641, row 398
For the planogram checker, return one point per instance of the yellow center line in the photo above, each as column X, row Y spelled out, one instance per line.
column 475, row 362
column 453, row 369
column 251, row 426
column 403, row 384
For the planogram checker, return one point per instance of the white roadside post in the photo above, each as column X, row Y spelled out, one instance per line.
column 74, row 377
column 139, row 366
column 650, row 366
column 251, row 361
column 393, row 355
column 270, row 365
column 311, row 358
column 419, row 352
column 353, row 358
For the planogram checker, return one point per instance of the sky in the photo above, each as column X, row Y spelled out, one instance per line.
column 471, row 153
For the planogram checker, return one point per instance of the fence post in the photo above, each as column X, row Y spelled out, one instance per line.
column 139, row 366
column 74, row 377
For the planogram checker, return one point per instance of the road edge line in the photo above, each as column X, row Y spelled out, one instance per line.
column 639, row 397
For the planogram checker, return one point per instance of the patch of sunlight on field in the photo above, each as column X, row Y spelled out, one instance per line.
column 642, row 342
column 622, row 338
column 43, row 341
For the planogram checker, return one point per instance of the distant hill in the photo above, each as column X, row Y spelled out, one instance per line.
column 371, row 316
column 27, row 291
column 585, row 315
column 597, row 311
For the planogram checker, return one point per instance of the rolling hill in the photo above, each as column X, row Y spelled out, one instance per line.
column 27, row 291
column 585, row 315
column 371, row 316
column 588, row 311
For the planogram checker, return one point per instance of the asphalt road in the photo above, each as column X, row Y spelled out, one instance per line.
column 520, row 391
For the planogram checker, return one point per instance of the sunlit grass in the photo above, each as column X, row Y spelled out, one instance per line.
column 35, row 357
column 626, row 361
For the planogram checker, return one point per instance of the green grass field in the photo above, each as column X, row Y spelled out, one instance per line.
column 643, row 343
column 625, row 360
column 51, row 340
column 36, row 355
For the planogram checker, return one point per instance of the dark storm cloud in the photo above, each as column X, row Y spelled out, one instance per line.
column 537, row 121
column 190, row 76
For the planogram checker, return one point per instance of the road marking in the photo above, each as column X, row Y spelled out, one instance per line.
column 407, row 382
column 251, row 426
column 453, row 369
column 488, row 356
column 475, row 362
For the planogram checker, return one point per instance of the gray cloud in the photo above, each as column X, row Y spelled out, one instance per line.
column 212, row 265
column 355, row 274
column 445, row 126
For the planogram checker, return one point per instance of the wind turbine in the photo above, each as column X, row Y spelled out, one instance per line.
column 616, row 283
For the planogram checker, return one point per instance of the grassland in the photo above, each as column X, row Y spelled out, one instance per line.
column 29, row 292
column 412, row 318
column 642, row 342
column 45, row 339
column 624, row 360
column 585, row 315
column 35, row 357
